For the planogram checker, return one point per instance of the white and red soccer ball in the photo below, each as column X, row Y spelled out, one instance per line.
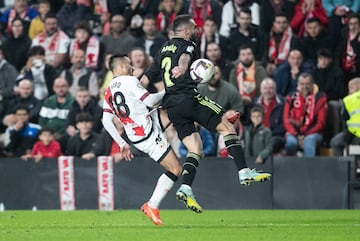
column 202, row 70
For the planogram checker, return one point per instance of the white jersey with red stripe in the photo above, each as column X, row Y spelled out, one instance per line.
column 124, row 98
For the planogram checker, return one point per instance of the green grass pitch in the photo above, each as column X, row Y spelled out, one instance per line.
column 181, row 225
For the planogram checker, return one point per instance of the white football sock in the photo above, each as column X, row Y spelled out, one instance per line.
column 163, row 186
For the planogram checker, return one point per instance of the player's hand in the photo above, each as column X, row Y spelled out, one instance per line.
column 177, row 72
column 126, row 152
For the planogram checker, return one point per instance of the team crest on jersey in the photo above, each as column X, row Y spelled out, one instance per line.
column 190, row 49
column 140, row 86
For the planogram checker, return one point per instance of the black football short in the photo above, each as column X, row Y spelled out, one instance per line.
column 195, row 108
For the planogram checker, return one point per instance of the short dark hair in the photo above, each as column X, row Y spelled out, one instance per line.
column 84, row 25
column 114, row 59
column 258, row 108
column 36, row 50
column 245, row 46
column 324, row 53
column 353, row 15
column 281, row 14
column 51, row 15
column 181, row 20
column 21, row 107
column 245, row 10
column 313, row 20
column 84, row 117
column 18, row 18
column 46, row 129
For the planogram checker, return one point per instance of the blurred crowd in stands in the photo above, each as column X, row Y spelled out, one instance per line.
column 285, row 65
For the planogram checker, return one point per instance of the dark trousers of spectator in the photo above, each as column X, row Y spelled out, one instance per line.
column 278, row 143
column 341, row 140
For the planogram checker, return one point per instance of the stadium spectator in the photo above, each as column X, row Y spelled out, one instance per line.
column 215, row 55
column 151, row 40
column 119, row 40
column 287, row 73
column 82, row 142
column 168, row 9
column 22, row 135
column 247, row 34
column 316, row 38
column 85, row 41
column 337, row 11
column 257, row 137
column 78, row 75
column 55, row 110
column 54, row 41
column 24, row 97
column 304, row 117
column 70, row 14
column 20, row 9
column 350, row 114
column 271, row 8
column 246, row 77
column 84, row 104
column 348, row 51
column 41, row 73
column 211, row 35
column 230, row 11
column 17, row 45
column 201, row 9
column 37, row 24
column 282, row 40
column 273, row 105
column 329, row 77
column 140, row 61
column 45, row 147
column 304, row 10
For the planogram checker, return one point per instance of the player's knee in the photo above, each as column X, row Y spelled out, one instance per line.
column 225, row 127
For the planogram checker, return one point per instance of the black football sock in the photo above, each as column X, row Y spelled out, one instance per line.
column 189, row 170
column 235, row 150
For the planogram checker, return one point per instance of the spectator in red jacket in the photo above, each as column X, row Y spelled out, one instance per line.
column 304, row 117
column 305, row 10
column 46, row 147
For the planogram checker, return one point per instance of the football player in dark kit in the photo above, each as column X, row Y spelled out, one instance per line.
column 185, row 106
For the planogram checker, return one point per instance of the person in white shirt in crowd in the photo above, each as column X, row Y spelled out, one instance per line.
column 78, row 75
column 54, row 41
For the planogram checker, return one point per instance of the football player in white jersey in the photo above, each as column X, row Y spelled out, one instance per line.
column 128, row 101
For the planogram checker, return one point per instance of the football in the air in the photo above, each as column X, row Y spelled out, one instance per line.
column 202, row 70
